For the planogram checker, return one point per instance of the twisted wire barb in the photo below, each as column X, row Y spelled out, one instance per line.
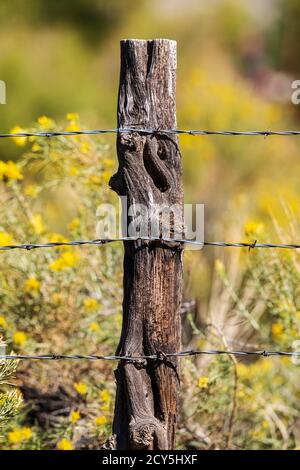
column 150, row 131
column 104, row 241
column 159, row 356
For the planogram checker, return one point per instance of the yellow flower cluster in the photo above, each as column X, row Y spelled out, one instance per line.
column 18, row 435
column 32, row 285
column 74, row 416
column 36, row 147
column 10, row 170
column 105, row 399
column 19, row 338
column 101, row 420
column 253, row 228
column 203, row 382
column 73, row 123
column 90, row 304
column 105, row 395
column 72, row 117
column 45, row 122
column 94, row 327
column 37, row 224
column 254, row 370
column 5, row 239
column 85, row 147
column 66, row 260
column 58, row 238
column 19, row 141
column 80, row 388
column 64, row 444
column 277, row 329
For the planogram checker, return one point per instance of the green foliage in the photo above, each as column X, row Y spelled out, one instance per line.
column 10, row 399
column 61, row 300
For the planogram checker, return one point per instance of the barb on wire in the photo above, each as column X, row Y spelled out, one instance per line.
column 194, row 132
column 158, row 356
column 103, row 241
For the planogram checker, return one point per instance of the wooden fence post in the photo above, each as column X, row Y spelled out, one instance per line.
column 149, row 173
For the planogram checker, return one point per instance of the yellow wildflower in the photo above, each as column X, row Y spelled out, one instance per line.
column 26, row 433
column 19, row 338
column 73, row 170
column 18, row 435
column 31, row 190
column 58, row 238
column 36, row 147
column 12, row 171
column 46, row 122
column 104, row 395
column 64, row 444
column 74, row 224
column 15, row 436
column 90, row 304
column 203, row 382
column 72, row 127
column 19, row 141
column 37, row 224
column 85, row 147
column 74, row 416
column 32, row 285
column 253, row 228
column 72, row 116
column 3, row 322
column 94, row 327
column 5, row 239
column 80, row 388
column 277, row 329
column 66, row 260
column 101, row 420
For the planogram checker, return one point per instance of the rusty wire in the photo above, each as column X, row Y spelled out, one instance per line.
column 98, row 242
column 160, row 356
column 149, row 131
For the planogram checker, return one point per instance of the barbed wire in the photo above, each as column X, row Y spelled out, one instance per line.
column 103, row 241
column 151, row 131
column 160, row 356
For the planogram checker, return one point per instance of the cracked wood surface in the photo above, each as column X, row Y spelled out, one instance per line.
column 149, row 173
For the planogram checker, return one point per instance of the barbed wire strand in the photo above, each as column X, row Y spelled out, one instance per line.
column 104, row 241
column 159, row 356
column 193, row 132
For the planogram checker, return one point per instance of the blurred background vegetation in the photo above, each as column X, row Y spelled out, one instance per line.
column 236, row 63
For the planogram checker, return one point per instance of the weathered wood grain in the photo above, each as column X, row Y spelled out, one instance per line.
column 149, row 173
